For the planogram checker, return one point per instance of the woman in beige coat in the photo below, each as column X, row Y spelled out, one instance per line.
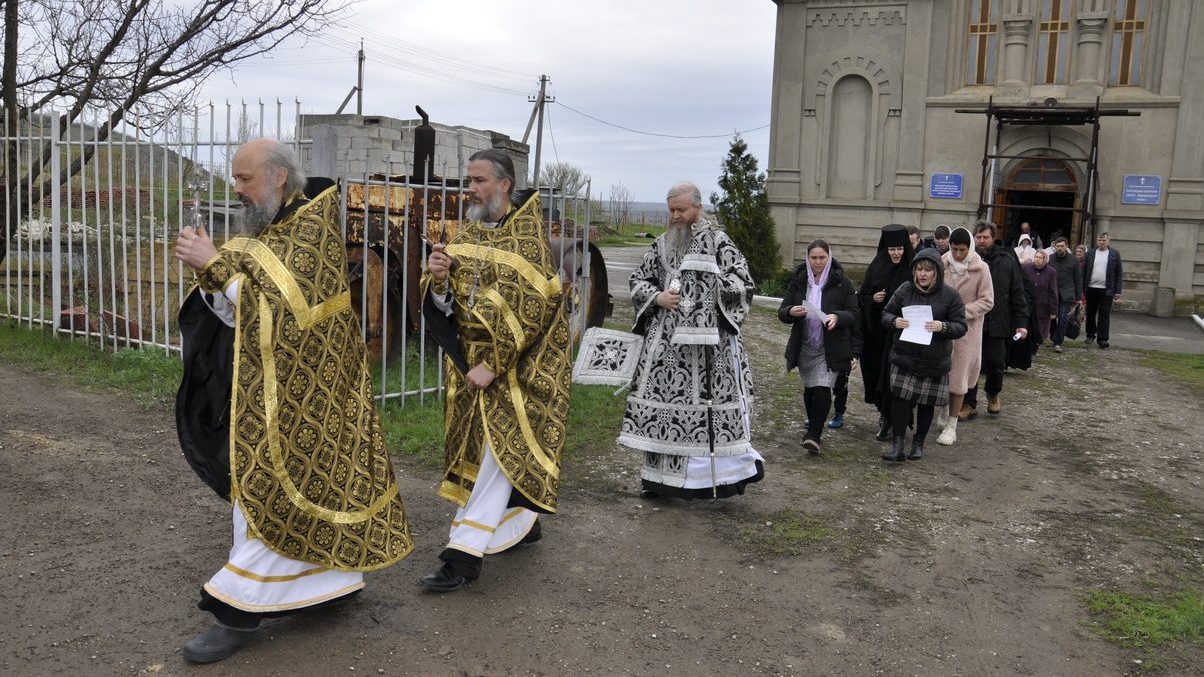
column 969, row 276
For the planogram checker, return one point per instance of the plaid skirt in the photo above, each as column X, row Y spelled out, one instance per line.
column 919, row 389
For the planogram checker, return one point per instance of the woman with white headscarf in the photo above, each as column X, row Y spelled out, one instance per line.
column 968, row 275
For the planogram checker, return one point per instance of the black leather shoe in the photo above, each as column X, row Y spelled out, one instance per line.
column 1103, row 345
column 533, row 535
column 444, row 579
column 917, row 452
column 217, row 643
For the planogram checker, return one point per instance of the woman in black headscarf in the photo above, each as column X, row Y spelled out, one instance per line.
column 890, row 268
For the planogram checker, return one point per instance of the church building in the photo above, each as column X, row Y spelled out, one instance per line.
column 1076, row 116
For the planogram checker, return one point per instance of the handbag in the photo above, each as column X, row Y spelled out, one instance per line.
column 1074, row 323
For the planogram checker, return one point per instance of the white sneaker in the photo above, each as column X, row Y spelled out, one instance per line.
column 942, row 417
column 949, row 434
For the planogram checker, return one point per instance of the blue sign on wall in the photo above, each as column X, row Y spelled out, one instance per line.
column 945, row 186
column 1141, row 189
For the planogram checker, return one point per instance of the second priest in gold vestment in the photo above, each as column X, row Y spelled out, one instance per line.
column 493, row 300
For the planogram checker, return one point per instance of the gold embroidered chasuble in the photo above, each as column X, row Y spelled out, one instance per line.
column 308, row 463
column 510, row 316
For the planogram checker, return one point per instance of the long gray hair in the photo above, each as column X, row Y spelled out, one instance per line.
column 280, row 155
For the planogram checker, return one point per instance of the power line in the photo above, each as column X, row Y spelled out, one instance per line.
column 399, row 63
column 668, row 136
column 398, row 44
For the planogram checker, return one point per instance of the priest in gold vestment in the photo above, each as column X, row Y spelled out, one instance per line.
column 493, row 301
column 276, row 410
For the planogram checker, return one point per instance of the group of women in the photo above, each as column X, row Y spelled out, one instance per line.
column 910, row 382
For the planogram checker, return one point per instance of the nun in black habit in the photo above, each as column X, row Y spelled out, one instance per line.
column 890, row 268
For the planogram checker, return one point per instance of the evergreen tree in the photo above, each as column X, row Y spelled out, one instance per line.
column 743, row 209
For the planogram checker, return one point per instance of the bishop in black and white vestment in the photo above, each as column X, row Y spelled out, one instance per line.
column 691, row 295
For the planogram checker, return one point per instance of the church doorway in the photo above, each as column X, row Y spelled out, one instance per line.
column 1044, row 193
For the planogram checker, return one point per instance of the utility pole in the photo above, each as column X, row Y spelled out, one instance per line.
column 359, row 81
column 358, row 89
column 537, row 112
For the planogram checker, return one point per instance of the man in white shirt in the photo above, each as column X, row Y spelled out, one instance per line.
column 1103, row 273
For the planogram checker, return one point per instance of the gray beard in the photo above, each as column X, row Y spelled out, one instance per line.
column 255, row 217
column 678, row 239
column 478, row 211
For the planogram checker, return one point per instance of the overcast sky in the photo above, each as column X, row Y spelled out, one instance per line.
column 678, row 67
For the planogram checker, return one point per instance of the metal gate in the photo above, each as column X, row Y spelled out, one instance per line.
column 91, row 258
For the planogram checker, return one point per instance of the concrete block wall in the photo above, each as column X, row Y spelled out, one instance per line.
column 351, row 145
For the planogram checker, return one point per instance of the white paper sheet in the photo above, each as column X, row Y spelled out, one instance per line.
column 915, row 332
column 814, row 311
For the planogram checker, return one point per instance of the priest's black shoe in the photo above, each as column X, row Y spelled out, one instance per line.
column 533, row 535
column 444, row 579
column 217, row 643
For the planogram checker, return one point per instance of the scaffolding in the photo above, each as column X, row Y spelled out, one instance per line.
column 1049, row 113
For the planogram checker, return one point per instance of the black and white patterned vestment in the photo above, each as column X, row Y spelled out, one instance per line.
column 666, row 415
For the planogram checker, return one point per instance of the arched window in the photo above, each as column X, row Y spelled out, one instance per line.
column 1043, row 175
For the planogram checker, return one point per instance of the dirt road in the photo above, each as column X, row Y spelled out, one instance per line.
column 973, row 561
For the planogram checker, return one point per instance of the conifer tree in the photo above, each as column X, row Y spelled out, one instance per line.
column 743, row 209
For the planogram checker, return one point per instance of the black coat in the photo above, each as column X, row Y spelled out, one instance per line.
column 1011, row 304
column 935, row 359
column 1070, row 277
column 841, row 344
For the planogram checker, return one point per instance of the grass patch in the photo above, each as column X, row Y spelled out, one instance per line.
column 148, row 376
column 1145, row 622
column 783, row 533
column 1183, row 367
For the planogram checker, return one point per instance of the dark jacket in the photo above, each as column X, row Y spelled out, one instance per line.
column 1113, row 284
column 1011, row 307
column 841, row 344
column 1045, row 288
column 1070, row 277
column 935, row 359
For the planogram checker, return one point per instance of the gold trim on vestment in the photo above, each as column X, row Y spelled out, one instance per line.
column 454, row 493
column 307, row 315
column 265, row 608
column 547, row 287
column 475, row 525
column 239, row 571
column 516, row 327
column 270, row 404
column 524, row 424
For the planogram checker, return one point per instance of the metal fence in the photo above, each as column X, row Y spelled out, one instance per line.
column 92, row 256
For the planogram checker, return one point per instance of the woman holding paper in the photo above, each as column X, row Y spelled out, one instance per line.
column 825, row 338
column 969, row 276
column 921, row 356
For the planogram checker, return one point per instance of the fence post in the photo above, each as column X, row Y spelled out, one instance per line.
column 56, row 226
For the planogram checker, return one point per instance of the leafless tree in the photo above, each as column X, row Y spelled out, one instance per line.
column 565, row 177
column 152, row 55
column 618, row 203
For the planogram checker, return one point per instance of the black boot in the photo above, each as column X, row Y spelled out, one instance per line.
column 917, row 450
column 896, row 450
column 883, row 428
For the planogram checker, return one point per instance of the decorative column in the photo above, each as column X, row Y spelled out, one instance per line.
column 1016, row 31
column 1090, row 48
